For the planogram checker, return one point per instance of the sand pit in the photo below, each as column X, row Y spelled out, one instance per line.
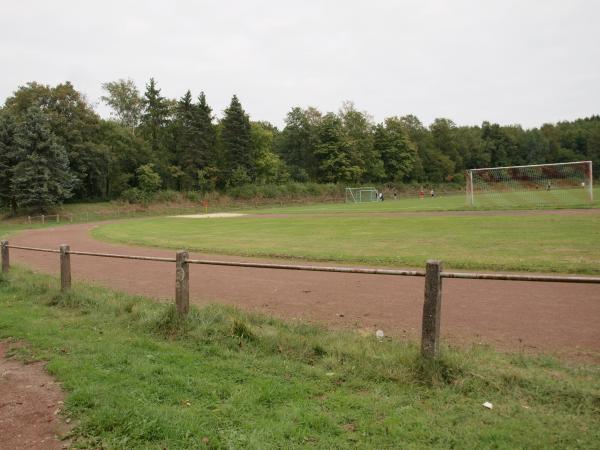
column 210, row 216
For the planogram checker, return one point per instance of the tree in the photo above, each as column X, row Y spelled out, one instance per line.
column 237, row 141
column 500, row 145
column 397, row 151
column 8, row 160
column 298, row 142
column 358, row 131
column 195, row 138
column 126, row 152
column 42, row 178
column 75, row 126
column 154, row 120
column 148, row 180
column 125, row 100
column 334, row 153
column 269, row 166
column 443, row 132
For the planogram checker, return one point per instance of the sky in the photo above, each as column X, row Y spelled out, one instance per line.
column 527, row 62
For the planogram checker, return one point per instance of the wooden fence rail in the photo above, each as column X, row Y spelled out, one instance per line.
column 433, row 273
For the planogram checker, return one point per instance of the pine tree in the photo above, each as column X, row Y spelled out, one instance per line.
column 154, row 118
column 195, row 138
column 204, row 132
column 7, row 160
column 42, row 177
column 236, row 140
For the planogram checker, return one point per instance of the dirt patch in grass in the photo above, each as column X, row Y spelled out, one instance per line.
column 30, row 406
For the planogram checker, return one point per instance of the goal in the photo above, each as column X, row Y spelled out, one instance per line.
column 560, row 184
column 361, row 195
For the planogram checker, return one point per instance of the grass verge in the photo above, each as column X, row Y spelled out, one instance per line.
column 137, row 376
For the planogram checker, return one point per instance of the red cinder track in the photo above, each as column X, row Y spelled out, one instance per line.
column 558, row 318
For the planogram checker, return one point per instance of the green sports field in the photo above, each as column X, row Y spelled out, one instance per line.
column 398, row 233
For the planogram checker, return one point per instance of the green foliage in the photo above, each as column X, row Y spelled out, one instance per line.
column 76, row 127
column 154, row 120
column 397, row 152
column 190, row 152
column 207, row 179
column 124, row 99
column 334, row 153
column 269, row 166
column 41, row 178
column 237, row 143
column 8, row 160
column 148, row 180
column 239, row 177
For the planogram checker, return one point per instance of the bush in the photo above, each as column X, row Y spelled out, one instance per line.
column 132, row 195
column 166, row 196
column 193, row 196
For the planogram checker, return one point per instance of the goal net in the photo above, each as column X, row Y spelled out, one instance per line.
column 360, row 195
column 561, row 184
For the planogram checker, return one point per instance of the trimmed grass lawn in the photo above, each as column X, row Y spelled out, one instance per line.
column 541, row 243
column 137, row 376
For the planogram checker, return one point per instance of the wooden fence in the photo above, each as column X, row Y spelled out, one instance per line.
column 433, row 274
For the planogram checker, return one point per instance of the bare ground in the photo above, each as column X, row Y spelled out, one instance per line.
column 30, row 403
column 556, row 318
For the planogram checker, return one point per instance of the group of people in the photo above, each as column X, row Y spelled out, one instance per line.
column 422, row 193
column 381, row 198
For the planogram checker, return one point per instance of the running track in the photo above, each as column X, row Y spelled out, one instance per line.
column 557, row 318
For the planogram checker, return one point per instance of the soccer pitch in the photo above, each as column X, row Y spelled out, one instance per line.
column 392, row 233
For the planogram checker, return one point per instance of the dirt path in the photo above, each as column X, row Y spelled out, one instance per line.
column 29, row 403
column 556, row 318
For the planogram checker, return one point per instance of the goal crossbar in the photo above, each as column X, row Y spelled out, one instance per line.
column 530, row 165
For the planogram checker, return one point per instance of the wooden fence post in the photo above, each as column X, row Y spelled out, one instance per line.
column 29, row 220
column 430, row 332
column 65, row 268
column 5, row 257
column 182, row 283
column 43, row 219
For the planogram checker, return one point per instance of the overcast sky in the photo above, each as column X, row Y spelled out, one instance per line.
column 525, row 61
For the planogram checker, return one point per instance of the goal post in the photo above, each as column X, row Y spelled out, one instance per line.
column 361, row 195
column 535, row 185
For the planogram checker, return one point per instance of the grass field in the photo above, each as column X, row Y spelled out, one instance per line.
column 453, row 202
column 138, row 377
column 568, row 243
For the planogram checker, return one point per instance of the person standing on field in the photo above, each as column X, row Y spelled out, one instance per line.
column 432, row 193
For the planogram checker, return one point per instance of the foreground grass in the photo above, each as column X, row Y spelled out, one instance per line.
column 541, row 243
column 139, row 377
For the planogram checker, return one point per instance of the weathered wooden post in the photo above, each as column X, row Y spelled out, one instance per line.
column 5, row 257
column 430, row 332
column 43, row 219
column 182, row 283
column 58, row 218
column 65, row 268
column 29, row 220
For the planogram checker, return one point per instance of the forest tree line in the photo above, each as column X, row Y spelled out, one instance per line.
column 54, row 147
